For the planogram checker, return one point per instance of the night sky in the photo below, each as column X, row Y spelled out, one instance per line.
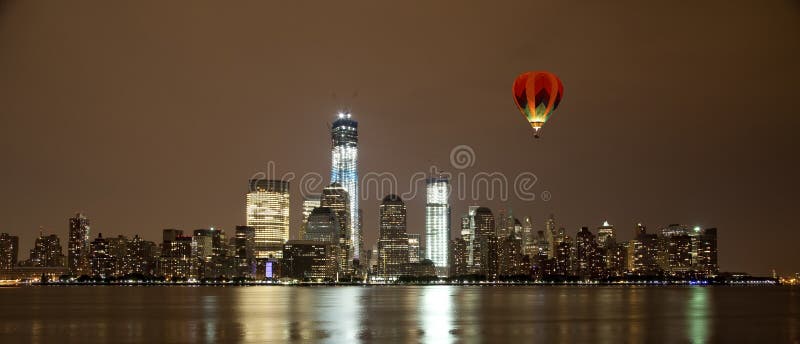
column 148, row 115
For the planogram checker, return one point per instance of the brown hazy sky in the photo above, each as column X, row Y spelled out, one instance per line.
column 148, row 115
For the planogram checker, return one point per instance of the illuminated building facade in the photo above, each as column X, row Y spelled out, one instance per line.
column 309, row 203
column 527, row 234
column 468, row 233
column 102, row 262
column 245, row 251
column 485, row 244
column 46, row 252
column 78, row 245
column 615, row 256
column 510, row 257
column 414, row 248
column 643, row 252
column 392, row 241
column 139, row 257
column 344, row 170
column 9, row 251
column 437, row 223
column 310, row 260
column 707, row 252
column 458, row 257
column 323, row 226
column 552, row 234
column 209, row 252
column 562, row 258
column 541, row 246
column 336, row 198
column 267, row 212
column 605, row 235
column 176, row 259
column 117, row 247
column 588, row 262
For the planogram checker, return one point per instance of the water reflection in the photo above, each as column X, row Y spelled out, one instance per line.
column 432, row 314
column 698, row 313
column 435, row 314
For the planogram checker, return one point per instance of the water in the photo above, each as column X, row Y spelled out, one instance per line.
column 436, row 314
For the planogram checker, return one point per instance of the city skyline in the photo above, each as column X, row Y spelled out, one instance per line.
column 271, row 197
column 656, row 125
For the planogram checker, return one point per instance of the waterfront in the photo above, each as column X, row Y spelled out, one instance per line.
column 558, row 314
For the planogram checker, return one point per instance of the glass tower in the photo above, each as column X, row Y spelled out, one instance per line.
column 437, row 223
column 344, row 170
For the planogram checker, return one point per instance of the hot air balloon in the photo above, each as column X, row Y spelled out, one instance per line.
column 537, row 95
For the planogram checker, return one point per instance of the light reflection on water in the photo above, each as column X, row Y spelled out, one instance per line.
column 698, row 311
column 435, row 314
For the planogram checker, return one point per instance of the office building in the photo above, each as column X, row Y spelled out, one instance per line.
column 308, row 260
column 78, row 245
column 309, row 203
column 437, row 223
column 414, row 248
column 267, row 204
column 323, row 225
column 459, row 258
column 46, row 252
column 102, row 263
column 605, row 235
column 485, row 244
column 393, row 239
column 9, row 251
column 344, row 170
column 244, row 252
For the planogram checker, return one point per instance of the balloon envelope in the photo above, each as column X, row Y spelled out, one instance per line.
column 537, row 95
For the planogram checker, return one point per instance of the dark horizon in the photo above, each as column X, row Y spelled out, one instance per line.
column 148, row 116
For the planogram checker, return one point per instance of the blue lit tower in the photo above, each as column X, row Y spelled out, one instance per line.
column 344, row 170
column 437, row 223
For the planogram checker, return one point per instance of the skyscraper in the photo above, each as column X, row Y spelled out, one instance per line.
column 267, row 205
column 643, row 252
column 323, row 226
column 139, row 256
column 528, row 238
column 588, row 262
column 707, row 252
column 309, row 203
column 414, row 252
column 509, row 256
column 244, row 248
column 468, row 233
column 101, row 261
column 458, row 258
column 9, row 251
column 437, row 223
column 176, row 256
column 117, row 248
column 393, row 241
column 336, row 198
column 47, row 252
column 605, row 235
column 553, row 235
column 344, row 170
column 208, row 252
column 78, row 245
column 485, row 243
